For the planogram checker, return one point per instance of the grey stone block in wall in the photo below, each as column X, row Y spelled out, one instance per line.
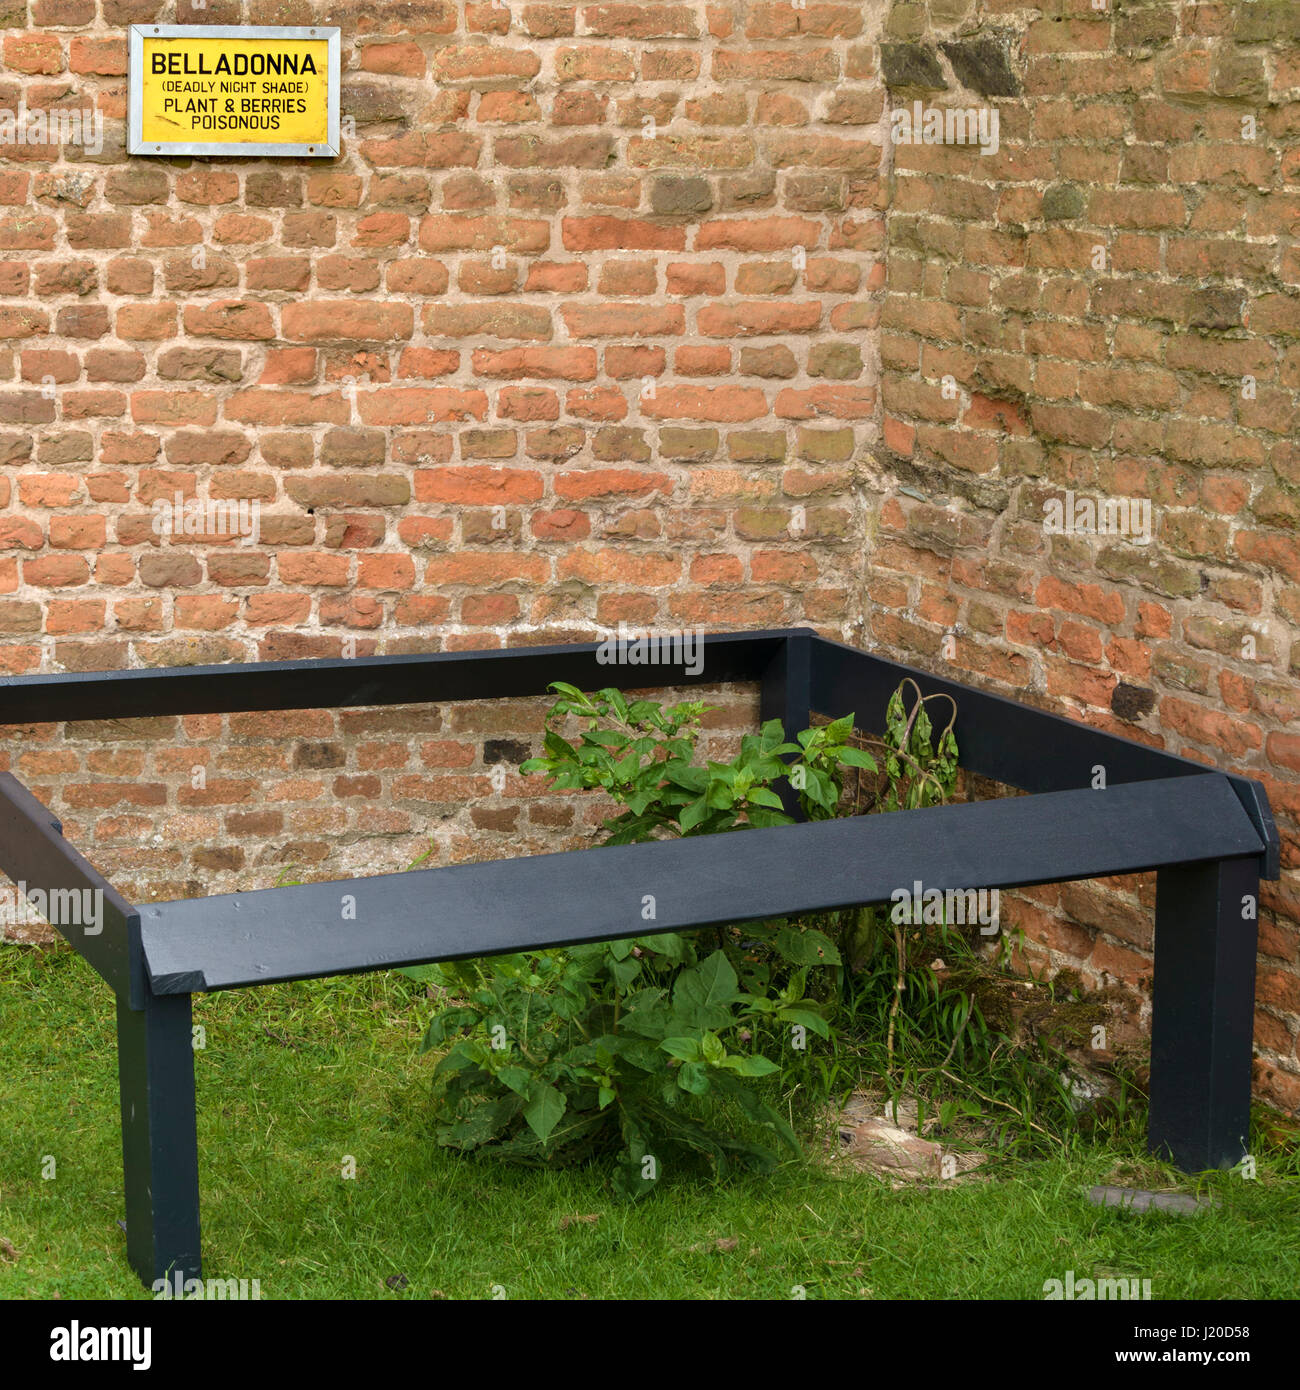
column 912, row 65
column 983, row 65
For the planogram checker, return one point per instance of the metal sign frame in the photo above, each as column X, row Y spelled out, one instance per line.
column 136, row 144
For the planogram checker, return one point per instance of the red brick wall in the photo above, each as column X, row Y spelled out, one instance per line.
column 577, row 331
column 633, row 312
column 1121, row 128
column 646, row 347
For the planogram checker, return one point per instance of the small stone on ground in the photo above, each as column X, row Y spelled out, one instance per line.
column 1136, row 1199
column 883, row 1139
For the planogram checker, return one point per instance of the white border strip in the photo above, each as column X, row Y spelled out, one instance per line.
column 135, row 80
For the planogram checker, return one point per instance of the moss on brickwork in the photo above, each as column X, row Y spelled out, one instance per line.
column 1063, row 202
column 1265, row 21
column 1111, row 300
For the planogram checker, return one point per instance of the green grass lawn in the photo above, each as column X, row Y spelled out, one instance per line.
column 296, row 1077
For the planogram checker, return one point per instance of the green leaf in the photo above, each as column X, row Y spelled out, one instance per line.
column 642, row 1055
column 761, row 796
column 703, row 995
column 558, row 747
column 517, row 1078
column 806, row 947
column 629, row 1175
column 670, row 944
column 545, row 1109
column 693, row 1078
column 688, row 1049
column 761, row 818
column 444, row 1024
column 606, row 738
column 691, row 779
column 771, row 735
column 763, row 1114
column 712, row 1049
column 457, row 1060
column 813, row 1022
column 624, row 972
column 819, row 788
column 720, row 796
column 483, row 1123
column 751, row 1066
column 422, row 974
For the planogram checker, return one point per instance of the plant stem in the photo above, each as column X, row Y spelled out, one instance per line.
column 898, row 994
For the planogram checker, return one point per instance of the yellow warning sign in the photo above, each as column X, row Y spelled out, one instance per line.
column 203, row 89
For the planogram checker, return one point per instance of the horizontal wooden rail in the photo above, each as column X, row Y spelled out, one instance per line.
column 600, row 894
column 419, row 678
column 1015, row 744
column 1022, row 747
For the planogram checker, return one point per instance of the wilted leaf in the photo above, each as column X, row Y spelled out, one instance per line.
column 589, row 1219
